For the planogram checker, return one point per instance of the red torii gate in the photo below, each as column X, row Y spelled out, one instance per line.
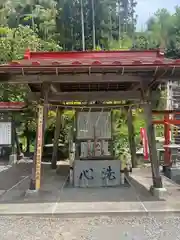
column 166, row 122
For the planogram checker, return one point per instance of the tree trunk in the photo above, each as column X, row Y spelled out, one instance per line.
column 82, row 26
column 93, row 25
column 119, row 21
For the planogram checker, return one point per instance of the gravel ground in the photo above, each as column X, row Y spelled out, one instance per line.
column 91, row 228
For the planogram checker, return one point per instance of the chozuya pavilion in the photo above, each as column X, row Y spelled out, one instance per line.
column 100, row 81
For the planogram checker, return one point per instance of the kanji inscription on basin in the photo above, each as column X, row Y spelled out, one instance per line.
column 96, row 173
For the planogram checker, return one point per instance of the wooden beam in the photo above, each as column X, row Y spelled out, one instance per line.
column 44, row 95
column 157, row 181
column 18, row 148
column 33, row 96
column 167, row 140
column 90, row 96
column 56, row 139
column 95, row 95
column 73, row 78
column 36, row 169
column 131, row 136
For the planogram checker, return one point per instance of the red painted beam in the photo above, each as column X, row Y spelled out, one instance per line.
column 12, row 105
column 170, row 121
column 131, row 54
column 163, row 112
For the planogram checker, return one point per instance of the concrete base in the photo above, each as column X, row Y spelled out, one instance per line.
column 12, row 159
column 2, row 192
column 30, row 192
column 160, row 193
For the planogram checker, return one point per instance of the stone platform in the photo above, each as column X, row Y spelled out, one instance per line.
column 57, row 198
column 142, row 179
column 173, row 173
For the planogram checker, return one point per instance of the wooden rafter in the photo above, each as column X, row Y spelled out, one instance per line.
column 89, row 96
column 73, row 78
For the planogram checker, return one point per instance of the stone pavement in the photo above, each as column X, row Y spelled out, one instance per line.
column 51, row 184
column 84, row 202
column 56, row 198
column 13, row 174
column 70, row 209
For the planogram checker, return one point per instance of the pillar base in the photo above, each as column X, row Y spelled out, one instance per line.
column 160, row 193
column 12, row 159
column 157, row 182
column 71, row 175
column 30, row 192
column 32, row 186
column 53, row 166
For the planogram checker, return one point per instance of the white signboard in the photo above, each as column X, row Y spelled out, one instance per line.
column 91, row 125
column 5, row 133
